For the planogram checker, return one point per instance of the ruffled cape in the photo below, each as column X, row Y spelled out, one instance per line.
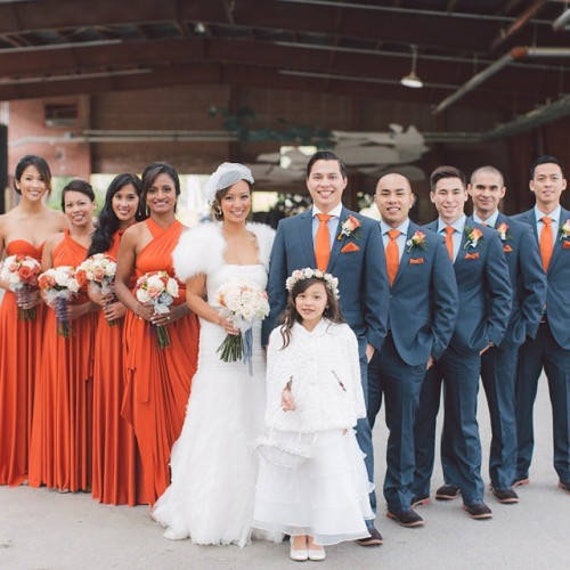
column 201, row 248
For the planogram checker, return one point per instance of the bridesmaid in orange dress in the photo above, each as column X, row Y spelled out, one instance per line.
column 23, row 231
column 60, row 452
column 158, row 379
column 116, row 460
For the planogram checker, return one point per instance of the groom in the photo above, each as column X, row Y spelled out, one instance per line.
column 341, row 242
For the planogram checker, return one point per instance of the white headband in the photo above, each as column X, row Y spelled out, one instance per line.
column 226, row 175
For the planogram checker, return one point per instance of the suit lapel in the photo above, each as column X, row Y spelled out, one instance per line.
column 306, row 237
column 337, row 243
column 405, row 259
column 564, row 216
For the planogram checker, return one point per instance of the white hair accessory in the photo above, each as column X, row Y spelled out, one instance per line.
column 226, row 175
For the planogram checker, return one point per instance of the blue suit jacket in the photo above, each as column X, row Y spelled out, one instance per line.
column 528, row 280
column 558, row 280
column 484, row 288
column 423, row 300
column 363, row 282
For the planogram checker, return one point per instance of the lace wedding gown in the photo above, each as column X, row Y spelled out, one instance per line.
column 214, row 463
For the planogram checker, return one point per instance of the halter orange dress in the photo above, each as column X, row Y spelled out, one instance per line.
column 60, row 451
column 116, row 458
column 158, row 380
column 20, row 343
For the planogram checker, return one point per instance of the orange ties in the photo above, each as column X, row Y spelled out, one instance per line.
column 449, row 241
column 546, row 242
column 392, row 255
column 323, row 242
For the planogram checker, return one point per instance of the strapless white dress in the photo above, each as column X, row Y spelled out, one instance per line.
column 214, row 463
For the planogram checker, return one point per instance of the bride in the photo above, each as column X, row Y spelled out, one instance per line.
column 213, row 463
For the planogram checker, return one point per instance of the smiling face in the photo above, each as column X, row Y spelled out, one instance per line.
column 486, row 190
column 236, row 202
column 78, row 208
column 449, row 197
column 311, row 304
column 161, row 195
column 326, row 184
column 548, row 184
column 125, row 203
column 394, row 199
column 31, row 185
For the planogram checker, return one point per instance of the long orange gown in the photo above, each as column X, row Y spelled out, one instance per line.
column 116, row 458
column 60, row 451
column 20, row 343
column 158, row 380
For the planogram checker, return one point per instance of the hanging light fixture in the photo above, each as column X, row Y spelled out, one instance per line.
column 412, row 80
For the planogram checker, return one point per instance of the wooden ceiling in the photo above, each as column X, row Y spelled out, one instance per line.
column 360, row 48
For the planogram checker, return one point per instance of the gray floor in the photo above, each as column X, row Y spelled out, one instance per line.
column 42, row 530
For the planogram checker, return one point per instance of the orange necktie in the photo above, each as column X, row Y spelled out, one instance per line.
column 323, row 242
column 449, row 230
column 392, row 255
column 546, row 242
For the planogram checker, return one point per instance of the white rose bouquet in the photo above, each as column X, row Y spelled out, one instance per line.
column 21, row 272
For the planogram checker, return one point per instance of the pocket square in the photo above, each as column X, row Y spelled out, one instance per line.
column 566, row 245
column 416, row 261
column 507, row 248
column 349, row 247
column 472, row 255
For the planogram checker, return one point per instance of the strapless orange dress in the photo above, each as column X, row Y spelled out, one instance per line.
column 20, row 343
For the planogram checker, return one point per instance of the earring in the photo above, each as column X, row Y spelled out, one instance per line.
column 218, row 211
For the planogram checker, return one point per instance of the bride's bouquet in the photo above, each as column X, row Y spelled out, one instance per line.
column 158, row 289
column 21, row 272
column 99, row 271
column 242, row 303
column 59, row 286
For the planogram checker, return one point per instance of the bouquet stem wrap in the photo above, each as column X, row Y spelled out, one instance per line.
column 63, row 324
column 23, row 296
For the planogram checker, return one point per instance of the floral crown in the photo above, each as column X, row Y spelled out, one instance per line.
column 307, row 273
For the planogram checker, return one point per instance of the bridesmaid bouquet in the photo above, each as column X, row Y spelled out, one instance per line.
column 99, row 271
column 242, row 303
column 21, row 272
column 158, row 289
column 59, row 286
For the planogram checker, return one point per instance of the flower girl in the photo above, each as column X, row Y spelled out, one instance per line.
column 312, row 481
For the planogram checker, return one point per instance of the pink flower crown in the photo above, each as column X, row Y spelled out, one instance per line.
column 307, row 273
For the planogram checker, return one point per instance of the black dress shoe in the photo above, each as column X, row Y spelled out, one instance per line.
column 505, row 496
column 478, row 511
column 447, row 493
column 564, row 485
column 375, row 538
column 408, row 518
column 420, row 501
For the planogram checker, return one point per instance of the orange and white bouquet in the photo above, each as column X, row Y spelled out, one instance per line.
column 99, row 271
column 242, row 303
column 158, row 289
column 20, row 273
column 59, row 286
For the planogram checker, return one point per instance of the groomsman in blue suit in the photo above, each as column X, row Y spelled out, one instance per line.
column 332, row 238
column 423, row 310
column 484, row 288
column 499, row 363
column 550, row 227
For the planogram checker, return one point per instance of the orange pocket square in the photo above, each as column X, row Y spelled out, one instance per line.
column 566, row 245
column 507, row 248
column 471, row 256
column 349, row 247
column 416, row 261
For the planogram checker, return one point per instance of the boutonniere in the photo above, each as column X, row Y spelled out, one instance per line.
column 417, row 241
column 504, row 233
column 474, row 236
column 349, row 228
column 565, row 230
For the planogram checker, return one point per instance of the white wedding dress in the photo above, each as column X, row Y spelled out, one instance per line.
column 214, row 463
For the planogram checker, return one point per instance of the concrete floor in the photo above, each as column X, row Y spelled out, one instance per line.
column 43, row 530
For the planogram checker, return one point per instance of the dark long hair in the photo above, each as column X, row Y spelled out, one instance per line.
column 108, row 221
column 290, row 316
column 37, row 161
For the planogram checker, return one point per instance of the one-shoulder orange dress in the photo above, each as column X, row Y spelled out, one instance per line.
column 20, row 348
column 158, row 379
column 60, row 451
column 116, row 458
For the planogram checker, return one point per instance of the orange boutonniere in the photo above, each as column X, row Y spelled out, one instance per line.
column 417, row 261
column 565, row 232
column 350, row 247
column 417, row 241
column 474, row 236
column 349, row 228
column 472, row 255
